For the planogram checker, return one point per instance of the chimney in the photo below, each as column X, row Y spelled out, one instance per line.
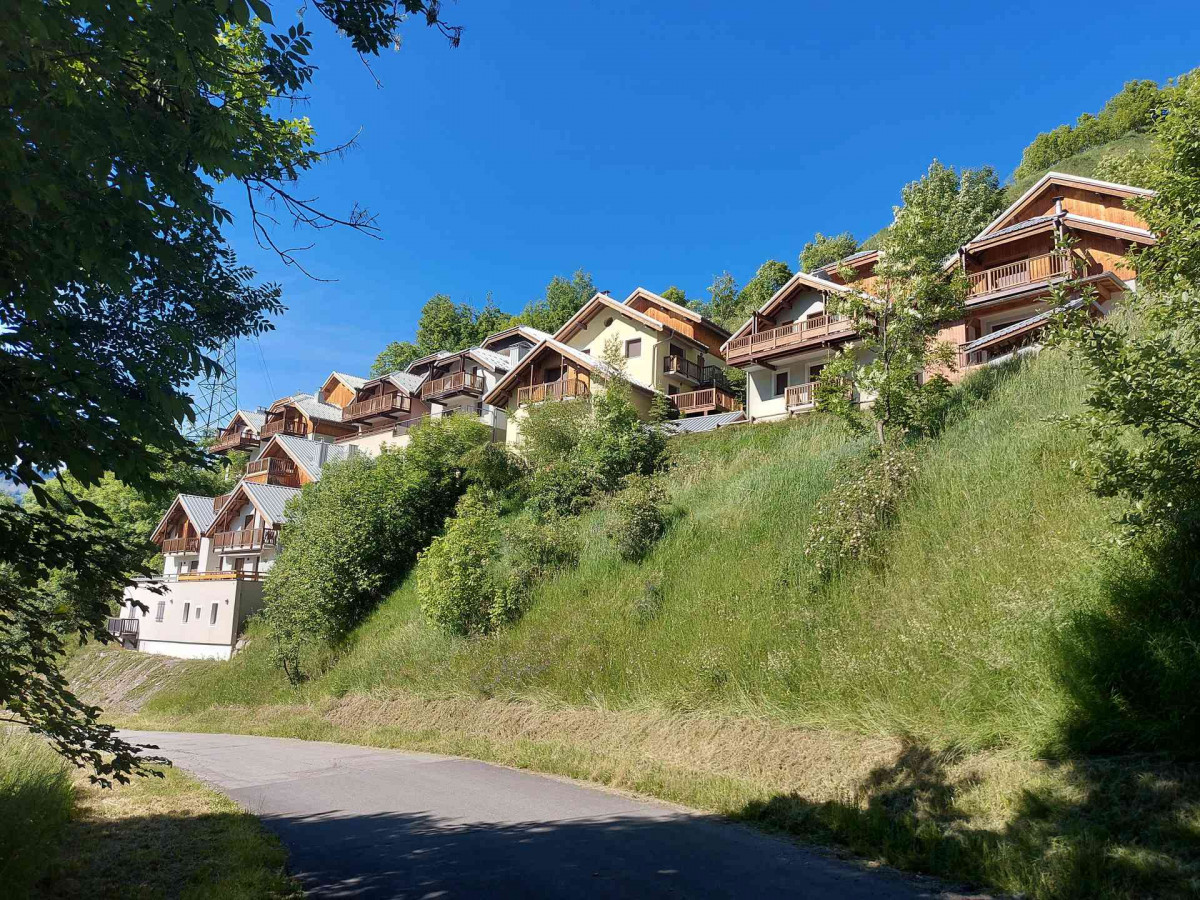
column 1058, row 207
column 606, row 293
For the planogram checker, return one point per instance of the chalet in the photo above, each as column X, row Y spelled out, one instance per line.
column 668, row 349
column 786, row 343
column 383, row 409
column 216, row 551
column 1013, row 263
column 306, row 416
column 457, row 383
column 340, row 389
column 243, row 433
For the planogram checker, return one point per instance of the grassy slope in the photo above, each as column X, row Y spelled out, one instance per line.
column 61, row 836
column 840, row 712
column 950, row 641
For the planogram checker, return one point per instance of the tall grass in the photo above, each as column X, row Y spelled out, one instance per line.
column 950, row 639
column 36, row 798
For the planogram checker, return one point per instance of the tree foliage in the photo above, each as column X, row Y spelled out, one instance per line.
column 1131, row 110
column 1143, row 411
column 910, row 299
column 351, row 536
column 116, row 286
column 822, row 250
column 563, row 298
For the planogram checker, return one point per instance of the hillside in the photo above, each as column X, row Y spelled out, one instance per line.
column 940, row 676
column 947, row 642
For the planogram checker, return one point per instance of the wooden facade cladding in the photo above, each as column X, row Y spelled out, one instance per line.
column 452, row 384
column 341, row 396
column 177, row 534
column 549, row 375
column 378, row 406
column 1106, row 204
column 245, row 539
column 291, row 420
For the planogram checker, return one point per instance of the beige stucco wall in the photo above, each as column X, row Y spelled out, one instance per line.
column 235, row 599
column 646, row 368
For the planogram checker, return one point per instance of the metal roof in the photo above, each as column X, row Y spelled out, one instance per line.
column 701, row 424
column 351, row 381
column 270, row 499
column 314, row 408
column 1018, row 327
column 406, row 381
column 255, row 420
column 199, row 510
column 1011, row 229
column 312, row 455
column 497, row 361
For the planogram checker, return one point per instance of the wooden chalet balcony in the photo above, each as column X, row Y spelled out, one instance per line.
column 793, row 335
column 377, row 406
column 181, row 545
column 276, row 470
column 245, row 539
column 123, row 627
column 280, row 426
column 1016, row 274
column 234, row 440
column 705, row 400
column 456, row 383
column 553, row 390
column 800, row 395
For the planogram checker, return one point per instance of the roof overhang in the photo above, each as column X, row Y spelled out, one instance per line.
column 1077, row 181
column 176, row 505
column 670, row 305
column 593, row 306
column 801, row 280
column 594, row 366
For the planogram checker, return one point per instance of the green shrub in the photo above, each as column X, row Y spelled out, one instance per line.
column 849, row 521
column 351, row 536
column 454, row 579
column 496, row 471
column 639, row 518
column 564, row 488
column 537, row 548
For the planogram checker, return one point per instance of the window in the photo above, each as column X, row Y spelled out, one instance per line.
column 676, row 350
column 672, row 390
column 608, row 322
column 212, row 616
column 781, row 383
column 199, row 612
column 814, row 372
column 187, row 608
column 161, row 611
column 249, row 521
column 194, row 566
column 633, row 348
column 814, row 315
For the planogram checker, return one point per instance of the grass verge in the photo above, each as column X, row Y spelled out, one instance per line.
column 1101, row 828
column 61, row 836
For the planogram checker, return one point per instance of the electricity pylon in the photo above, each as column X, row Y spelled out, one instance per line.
column 216, row 395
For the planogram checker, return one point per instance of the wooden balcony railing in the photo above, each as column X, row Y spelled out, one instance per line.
column 218, row 502
column 234, row 440
column 800, row 395
column 456, row 383
column 793, row 334
column 553, row 390
column 290, row 426
column 1021, row 272
column 122, row 627
column 245, row 539
column 377, row 406
column 711, row 399
column 181, row 545
column 273, row 466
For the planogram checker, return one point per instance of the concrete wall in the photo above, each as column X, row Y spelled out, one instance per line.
column 197, row 635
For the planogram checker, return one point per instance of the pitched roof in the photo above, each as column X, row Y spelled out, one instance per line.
column 591, row 363
column 490, row 358
column 1034, row 321
column 255, row 420
column 353, row 382
column 1062, row 178
column 799, row 279
column 270, row 499
column 312, row 407
column 588, row 309
column 311, row 455
column 701, row 424
column 860, row 255
column 533, row 334
column 198, row 509
column 406, row 381
column 678, row 308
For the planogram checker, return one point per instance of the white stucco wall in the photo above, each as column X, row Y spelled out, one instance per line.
column 235, row 599
column 761, row 402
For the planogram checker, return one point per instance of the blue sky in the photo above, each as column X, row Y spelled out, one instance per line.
column 658, row 143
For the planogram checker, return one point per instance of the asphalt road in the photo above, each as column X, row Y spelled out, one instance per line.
column 362, row 823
